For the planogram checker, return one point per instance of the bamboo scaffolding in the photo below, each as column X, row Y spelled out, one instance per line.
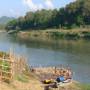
column 16, row 66
column 6, row 74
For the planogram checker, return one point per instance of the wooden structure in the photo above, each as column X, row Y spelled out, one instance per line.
column 6, row 68
column 10, row 66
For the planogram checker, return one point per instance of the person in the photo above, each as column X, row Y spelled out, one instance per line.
column 55, row 70
column 60, row 79
column 65, row 75
column 69, row 73
column 32, row 69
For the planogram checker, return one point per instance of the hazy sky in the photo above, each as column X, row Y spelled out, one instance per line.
column 20, row 7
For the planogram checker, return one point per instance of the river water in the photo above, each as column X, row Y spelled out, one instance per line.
column 75, row 54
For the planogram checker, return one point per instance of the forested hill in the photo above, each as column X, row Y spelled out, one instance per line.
column 75, row 14
column 5, row 19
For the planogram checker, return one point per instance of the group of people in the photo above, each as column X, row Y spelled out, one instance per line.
column 58, row 74
column 63, row 75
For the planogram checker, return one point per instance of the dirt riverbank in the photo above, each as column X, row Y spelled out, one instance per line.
column 34, row 82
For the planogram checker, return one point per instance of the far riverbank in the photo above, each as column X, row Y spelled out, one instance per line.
column 55, row 34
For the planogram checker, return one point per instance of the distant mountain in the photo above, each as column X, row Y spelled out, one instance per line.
column 5, row 19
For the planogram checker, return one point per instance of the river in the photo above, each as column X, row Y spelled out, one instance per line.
column 72, row 53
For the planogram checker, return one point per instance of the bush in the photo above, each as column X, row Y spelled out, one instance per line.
column 86, row 35
column 57, row 35
column 72, row 36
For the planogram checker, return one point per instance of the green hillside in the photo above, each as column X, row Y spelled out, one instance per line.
column 75, row 14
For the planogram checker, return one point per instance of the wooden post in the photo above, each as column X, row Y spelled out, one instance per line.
column 11, row 63
column 1, row 72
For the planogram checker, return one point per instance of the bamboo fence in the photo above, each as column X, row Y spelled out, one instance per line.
column 16, row 65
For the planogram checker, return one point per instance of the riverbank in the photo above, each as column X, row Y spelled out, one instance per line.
column 32, row 84
column 15, row 73
column 33, row 81
column 55, row 34
column 16, row 85
column 2, row 31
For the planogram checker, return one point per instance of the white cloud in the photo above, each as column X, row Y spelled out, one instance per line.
column 32, row 5
column 49, row 4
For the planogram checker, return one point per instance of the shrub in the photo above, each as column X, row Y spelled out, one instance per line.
column 57, row 34
column 86, row 35
column 72, row 36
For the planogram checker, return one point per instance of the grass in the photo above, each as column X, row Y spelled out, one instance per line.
column 85, row 86
column 74, row 86
column 86, row 35
column 22, row 78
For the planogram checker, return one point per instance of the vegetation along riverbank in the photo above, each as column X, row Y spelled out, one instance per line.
column 55, row 34
column 30, row 78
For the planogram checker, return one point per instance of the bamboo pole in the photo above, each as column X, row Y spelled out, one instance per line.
column 16, row 65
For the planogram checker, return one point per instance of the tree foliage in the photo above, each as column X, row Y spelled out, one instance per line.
column 74, row 14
